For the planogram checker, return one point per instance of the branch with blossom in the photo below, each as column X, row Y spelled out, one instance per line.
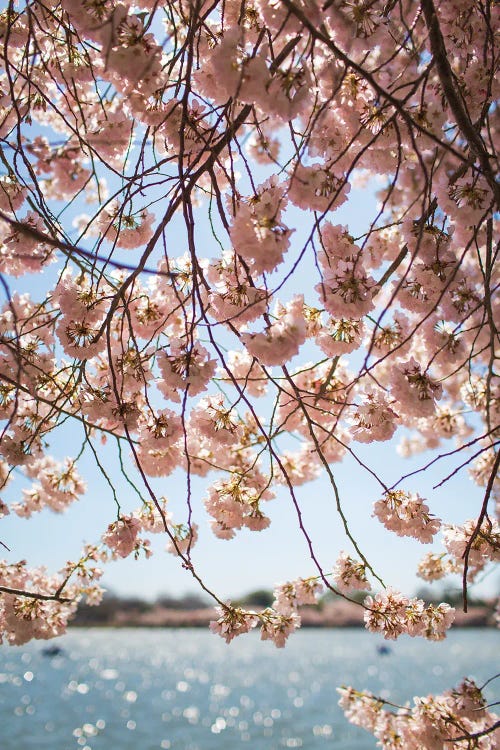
column 169, row 175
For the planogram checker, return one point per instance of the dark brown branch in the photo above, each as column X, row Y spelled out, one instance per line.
column 35, row 595
column 447, row 79
column 476, row 735
column 475, row 533
column 72, row 250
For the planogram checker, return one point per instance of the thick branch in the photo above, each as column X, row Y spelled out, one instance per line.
column 475, row 735
column 447, row 79
column 482, row 516
column 35, row 595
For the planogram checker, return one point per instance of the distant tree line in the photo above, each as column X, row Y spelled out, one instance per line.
column 259, row 598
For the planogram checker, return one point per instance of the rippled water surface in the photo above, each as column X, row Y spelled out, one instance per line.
column 138, row 689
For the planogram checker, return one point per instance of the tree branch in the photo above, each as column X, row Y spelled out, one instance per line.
column 453, row 98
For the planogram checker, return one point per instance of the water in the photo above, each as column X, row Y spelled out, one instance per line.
column 139, row 689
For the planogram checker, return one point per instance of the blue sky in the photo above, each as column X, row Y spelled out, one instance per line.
column 252, row 560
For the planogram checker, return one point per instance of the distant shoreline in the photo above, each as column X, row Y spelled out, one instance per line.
column 340, row 614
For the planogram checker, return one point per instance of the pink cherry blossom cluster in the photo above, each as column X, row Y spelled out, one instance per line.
column 459, row 718
column 44, row 612
column 257, row 234
column 434, row 566
column 392, row 614
column 482, row 540
column 23, row 618
column 276, row 622
column 289, row 596
column 123, row 537
column 59, row 486
column 406, row 514
column 237, row 502
column 345, row 289
column 274, row 626
column 282, row 337
column 348, row 574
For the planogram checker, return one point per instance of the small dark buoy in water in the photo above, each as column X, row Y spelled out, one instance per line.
column 383, row 650
column 52, row 651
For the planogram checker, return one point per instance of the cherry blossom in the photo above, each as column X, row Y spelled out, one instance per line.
column 392, row 614
column 433, row 721
column 277, row 627
column 289, row 596
column 282, row 339
column 348, row 574
column 233, row 621
column 179, row 299
column 121, row 535
column 407, row 515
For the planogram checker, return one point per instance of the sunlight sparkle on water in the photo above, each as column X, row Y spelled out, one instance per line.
column 198, row 694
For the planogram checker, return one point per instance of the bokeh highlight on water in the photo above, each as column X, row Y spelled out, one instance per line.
column 139, row 689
